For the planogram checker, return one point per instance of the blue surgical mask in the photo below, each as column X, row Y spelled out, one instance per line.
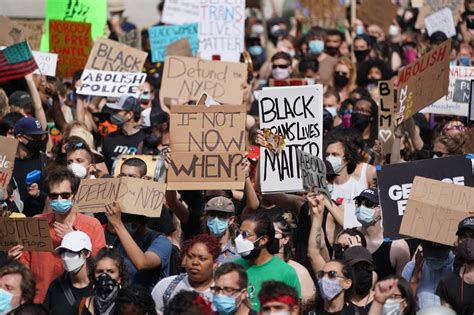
column 330, row 188
column 5, row 301
column 217, row 226
column 61, row 206
column 465, row 61
column 336, row 163
column 118, row 120
column 332, row 111
column 365, row 216
column 436, row 264
column 316, row 46
column 256, row 50
column 224, row 304
column 359, row 29
column 330, row 288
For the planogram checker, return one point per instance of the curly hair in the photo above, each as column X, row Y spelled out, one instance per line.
column 188, row 303
column 455, row 145
column 114, row 254
column 58, row 175
column 212, row 244
column 272, row 290
column 136, row 295
column 28, row 282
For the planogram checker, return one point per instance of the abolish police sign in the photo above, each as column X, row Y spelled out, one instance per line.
column 109, row 83
column 395, row 182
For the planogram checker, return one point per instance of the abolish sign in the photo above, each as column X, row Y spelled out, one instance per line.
column 108, row 83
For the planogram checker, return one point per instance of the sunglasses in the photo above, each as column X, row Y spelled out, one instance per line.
column 365, row 202
column 280, row 66
column 331, row 274
column 64, row 195
column 74, row 146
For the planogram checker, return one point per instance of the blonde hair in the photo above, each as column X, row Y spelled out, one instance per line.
column 455, row 145
column 352, row 72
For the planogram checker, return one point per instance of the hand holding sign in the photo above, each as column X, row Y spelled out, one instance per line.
column 114, row 213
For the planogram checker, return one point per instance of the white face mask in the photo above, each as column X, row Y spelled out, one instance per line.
column 330, row 188
column 393, row 30
column 243, row 246
column 72, row 262
column 257, row 29
column 78, row 170
column 332, row 111
column 336, row 163
column 311, row 81
column 391, row 307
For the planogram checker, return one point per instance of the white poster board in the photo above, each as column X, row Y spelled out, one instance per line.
column 180, row 12
column 46, row 62
column 441, row 20
column 111, row 84
column 297, row 113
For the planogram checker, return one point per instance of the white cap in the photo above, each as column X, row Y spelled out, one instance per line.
column 75, row 241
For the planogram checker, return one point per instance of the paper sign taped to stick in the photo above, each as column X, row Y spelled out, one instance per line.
column 441, row 20
column 221, row 29
column 108, row 55
column 296, row 113
column 188, row 78
column 424, row 81
column 32, row 233
column 109, row 83
column 208, row 145
column 72, row 42
column 46, row 63
column 136, row 196
column 36, row 27
column 380, row 12
column 180, row 12
column 456, row 102
column 11, row 32
column 8, row 147
column 179, row 48
column 387, row 111
column 162, row 36
column 313, row 173
column 434, row 210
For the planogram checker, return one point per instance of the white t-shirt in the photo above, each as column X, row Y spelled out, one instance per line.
column 160, row 288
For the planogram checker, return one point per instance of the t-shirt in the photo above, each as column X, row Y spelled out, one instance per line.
column 275, row 269
column 346, row 310
column 161, row 246
column 56, row 300
column 119, row 143
column 449, row 290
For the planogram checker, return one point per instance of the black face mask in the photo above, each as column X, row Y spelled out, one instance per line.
column 332, row 51
column 341, row 80
column 359, row 122
column 338, row 252
column 363, row 280
column 61, row 159
column 372, row 81
column 405, row 25
column 470, row 24
column 36, row 146
column 466, row 250
column 361, row 54
column 254, row 253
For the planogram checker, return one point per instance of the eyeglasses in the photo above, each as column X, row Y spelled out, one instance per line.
column 365, row 202
column 244, row 234
column 280, row 66
column 331, row 274
column 64, row 195
column 225, row 290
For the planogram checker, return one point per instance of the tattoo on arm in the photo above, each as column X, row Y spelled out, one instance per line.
column 318, row 238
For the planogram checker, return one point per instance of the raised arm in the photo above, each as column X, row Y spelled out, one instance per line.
column 37, row 105
column 315, row 242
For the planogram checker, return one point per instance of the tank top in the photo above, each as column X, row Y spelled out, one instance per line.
column 352, row 188
column 381, row 257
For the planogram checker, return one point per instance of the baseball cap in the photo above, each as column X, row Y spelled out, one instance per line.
column 127, row 103
column 356, row 254
column 370, row 194
column 20, row 98
column 467, row 223
column 75, row 241
column 28, row 126
column 220, row 203
column 153, row 116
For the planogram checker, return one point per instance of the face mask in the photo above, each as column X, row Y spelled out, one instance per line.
column 106, row 290
column 246, row 248
column 60, row 206
column 78, row 170
column 329, row 288
column 5, row 301
column 393, row 30
column 338, row 252
column 72, row 262
column 316, row 46
column 280, row 74
column 359, row 29
column 217, row 226
column 436, row 264
column 435, row 156
column 453, row 62
column 330, row 188
column 332, row 51
column 256, row 50
column 359, row 121
column 366, row 216
column 292, row 53
column 35, row 147
column 372, row 81
column 340, row 80
column 363, row 279
column 336, row 163
column 130, row 229
column 346, row 120
column 332, row 111
column 224, row 304
column 118, row 120
column 410, row 55
column 466, row 250
column 361, row 54
column 465, row 61
column 391, row 307
column 470, row 24
column 151, row 141
column 311, row 81
column 257, row 29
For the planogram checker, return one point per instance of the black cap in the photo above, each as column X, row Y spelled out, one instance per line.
column 126, row 103
column 20, row 98
column 467, row 223
column 356, row 254
column 435, row 250
column 370, row 194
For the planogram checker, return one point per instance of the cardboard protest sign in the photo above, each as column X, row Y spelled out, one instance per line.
column 109, row 83
column 188, row 78
column 424, row 81
column 221, row 29
column 388, row 101
column 8, row 147
column 136, row 196
column 180, row 12
column 434, row 210
column 108, row 55
column 208, row 145
column 46, row 63
column 36, row 27
column 296, row 113
column 72, row 42
column 131, row 38
column 313, row 173
column 395, row 182
column 457, row 99
column 93, row 12
column 441, row 20
column 179, row 48
column 287, row 82
column 380, row 12
column 162, row 36
column 154, row 165
column 32, row 233
column 12, row 32
column 327, row 13
column 430, row 6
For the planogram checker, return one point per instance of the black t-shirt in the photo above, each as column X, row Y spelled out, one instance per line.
column 346, row 310
column 119, row 143
column 56, row 300
column 449, row 290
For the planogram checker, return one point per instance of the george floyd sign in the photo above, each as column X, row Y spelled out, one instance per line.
column 395, row 183
column 31, row 233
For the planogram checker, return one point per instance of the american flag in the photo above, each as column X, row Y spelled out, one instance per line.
column 16, row 61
